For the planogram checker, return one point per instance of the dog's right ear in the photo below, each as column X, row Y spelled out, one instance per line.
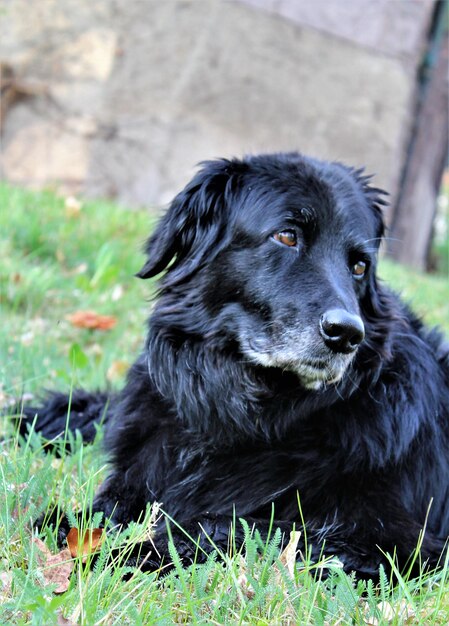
column 193, row 225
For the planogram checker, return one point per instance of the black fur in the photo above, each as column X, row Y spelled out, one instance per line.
column 239, row 401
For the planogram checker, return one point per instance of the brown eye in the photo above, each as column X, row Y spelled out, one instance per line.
column 359, row 269
column 287, row 237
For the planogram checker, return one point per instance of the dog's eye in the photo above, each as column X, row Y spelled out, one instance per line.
column 359, row 269
column 287, row 237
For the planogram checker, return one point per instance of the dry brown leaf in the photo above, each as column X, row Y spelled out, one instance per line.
column 5, row 585
column 288, row 555
column 407, row 613
column 287, row 559
column 387, row 611
column 6, row 580
column 60, row 256
column 63, row 621
column 91, row 320
column 117, row 293
column 90, row 543
column 243, row 582
column 404, row 612
column 27, row 338
column 96, row 350
column 6, row 400
column 79, row 269
column 72, row 206
column 390, row 613
column 19, row 512
column 117, row 370
column 55, row 568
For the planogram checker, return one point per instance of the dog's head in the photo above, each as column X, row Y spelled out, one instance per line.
column 274, row 255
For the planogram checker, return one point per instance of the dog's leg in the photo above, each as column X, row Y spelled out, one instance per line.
column 196, row 540
column 357, row 553
column 362, row 548
column 361, row 554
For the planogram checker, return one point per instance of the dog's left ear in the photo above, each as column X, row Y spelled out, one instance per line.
column 375, row 197
column 194, row 225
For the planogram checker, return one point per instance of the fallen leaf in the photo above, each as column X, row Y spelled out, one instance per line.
column 5, row 586
column 18, row 513
column 116, row 370
column 90, row 543
column 91, row 320
column 6, row 400
column 27, row 338
column 72, row 207
column 79, row 269
column 244, row 586
column 55, row 568
column 96, row 350
column 288, row 555
column 401, row 613
column 371, row 621
column 242, row 581
column 406, row 612
column 60, row 256
column 63, row 621
column 6, row 580
column 287, row 560
column 117, row 293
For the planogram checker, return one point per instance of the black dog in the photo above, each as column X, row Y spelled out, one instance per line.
column 277, row 366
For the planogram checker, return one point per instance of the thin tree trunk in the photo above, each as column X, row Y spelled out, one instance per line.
column 411, row 228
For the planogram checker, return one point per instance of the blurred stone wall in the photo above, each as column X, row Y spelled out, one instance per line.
column 122, row 99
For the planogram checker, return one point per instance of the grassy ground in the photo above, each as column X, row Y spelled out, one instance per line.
column 57, row 258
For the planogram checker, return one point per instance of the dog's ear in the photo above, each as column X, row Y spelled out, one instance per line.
column 375, row 197
column 193, row 225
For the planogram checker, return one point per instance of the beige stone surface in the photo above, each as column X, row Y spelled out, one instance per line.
column 243, row 84
column 392, row 27
column 139, row 92
column 40, row 153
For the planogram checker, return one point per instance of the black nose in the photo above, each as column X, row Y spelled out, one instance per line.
column 341, row 331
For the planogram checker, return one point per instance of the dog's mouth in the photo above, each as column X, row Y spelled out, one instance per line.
column 313, row 372
column 317, row 374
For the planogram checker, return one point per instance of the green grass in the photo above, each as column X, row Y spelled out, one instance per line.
column 55, row 260
column 427, row 294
